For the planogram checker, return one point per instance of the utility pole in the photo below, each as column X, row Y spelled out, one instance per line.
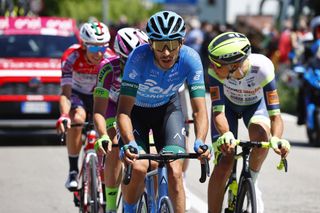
column 105, row 12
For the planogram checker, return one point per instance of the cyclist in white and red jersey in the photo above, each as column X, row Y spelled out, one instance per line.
column 242, row 85
column 106, row 96
column 149, row 100
column 79, row 66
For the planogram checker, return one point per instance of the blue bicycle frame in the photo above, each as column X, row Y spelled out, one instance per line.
column 154, row 204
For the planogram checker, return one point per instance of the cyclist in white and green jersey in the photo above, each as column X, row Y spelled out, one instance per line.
column 242, row 85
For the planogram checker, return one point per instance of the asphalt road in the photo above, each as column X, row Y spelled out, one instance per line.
column 32, row 177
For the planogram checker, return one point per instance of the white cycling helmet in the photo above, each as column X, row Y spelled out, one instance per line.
column 127, row 39
column 94, row 32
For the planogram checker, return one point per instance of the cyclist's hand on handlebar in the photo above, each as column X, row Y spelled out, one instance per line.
column 225, row 143
column 129, row 152
column 201, row 148
column 280, row 146
column 59, row 124
column 103, row 144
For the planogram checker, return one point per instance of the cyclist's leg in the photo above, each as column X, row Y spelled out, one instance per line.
column 132, row 192
column 73, row 142
column 223, row 168
column 257, row 120
column 183, row 100
column 112, row 169
column 259, row 130
column 171, row 135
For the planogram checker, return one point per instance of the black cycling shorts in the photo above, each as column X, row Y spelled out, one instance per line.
column 166, row 122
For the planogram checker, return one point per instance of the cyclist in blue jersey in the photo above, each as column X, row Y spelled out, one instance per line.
column 148, row 100
column 242, row 85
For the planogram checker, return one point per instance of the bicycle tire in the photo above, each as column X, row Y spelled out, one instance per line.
column 120, row 203
column 246, row 199
column 82, row 208
column 94, row 203
column 165, row 206
column 143, row 203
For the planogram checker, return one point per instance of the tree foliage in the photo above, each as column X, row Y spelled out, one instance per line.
column 134, row 10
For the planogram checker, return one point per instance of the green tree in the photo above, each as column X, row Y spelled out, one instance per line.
column 81, row 10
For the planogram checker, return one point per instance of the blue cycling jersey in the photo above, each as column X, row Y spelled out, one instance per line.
column 153, row 86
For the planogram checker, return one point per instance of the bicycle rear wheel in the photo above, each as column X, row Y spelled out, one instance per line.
column 166, row 206
column 143, row 204
column 120, row 203
column 94, row 203
column 246, row 199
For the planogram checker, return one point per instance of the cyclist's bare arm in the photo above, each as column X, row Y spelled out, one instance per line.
column 64, row 106
column 277, row 131
column 100, row 106
column 200, row 116
column 222, row 125
column 276, row 125
column 220, row 122
column 65, row 103
column 125, row 106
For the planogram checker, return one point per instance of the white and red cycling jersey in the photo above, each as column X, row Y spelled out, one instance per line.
column 77, row 70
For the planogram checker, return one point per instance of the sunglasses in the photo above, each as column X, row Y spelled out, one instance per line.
column 161, row 45
column 231, row 67
column 95, row 48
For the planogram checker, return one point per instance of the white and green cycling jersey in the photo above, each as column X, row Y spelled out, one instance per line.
column 258, row 84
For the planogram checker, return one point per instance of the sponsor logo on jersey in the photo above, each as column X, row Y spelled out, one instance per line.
column 129, row 84
column 272, row 97
column 215, row 93
column 254, row 69
column 133, row 74
column 106, row 69
column 150, row 86
column 197, row 87
column 197, row 75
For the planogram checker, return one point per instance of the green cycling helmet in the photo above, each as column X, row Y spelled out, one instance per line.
column 229, row 48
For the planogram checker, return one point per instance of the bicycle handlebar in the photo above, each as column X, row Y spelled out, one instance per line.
column 86, row 125
column 63, row 134
column 167, row 157
column 283, row 164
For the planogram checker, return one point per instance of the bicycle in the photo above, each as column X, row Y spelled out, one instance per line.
column 89, row 196
column 149, row 201
column 240, row 193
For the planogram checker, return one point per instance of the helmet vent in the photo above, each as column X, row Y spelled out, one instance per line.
column 154, row 26
column 87, row 34
column 177, row 26
column 128, row 36
column 165, row 14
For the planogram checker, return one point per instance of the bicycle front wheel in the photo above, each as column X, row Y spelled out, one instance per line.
column 94, row 206
column 166, row 206
column 246, row 199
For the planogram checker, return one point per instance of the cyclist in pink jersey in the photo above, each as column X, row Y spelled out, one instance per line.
column 79, row 65
column 105, row 106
